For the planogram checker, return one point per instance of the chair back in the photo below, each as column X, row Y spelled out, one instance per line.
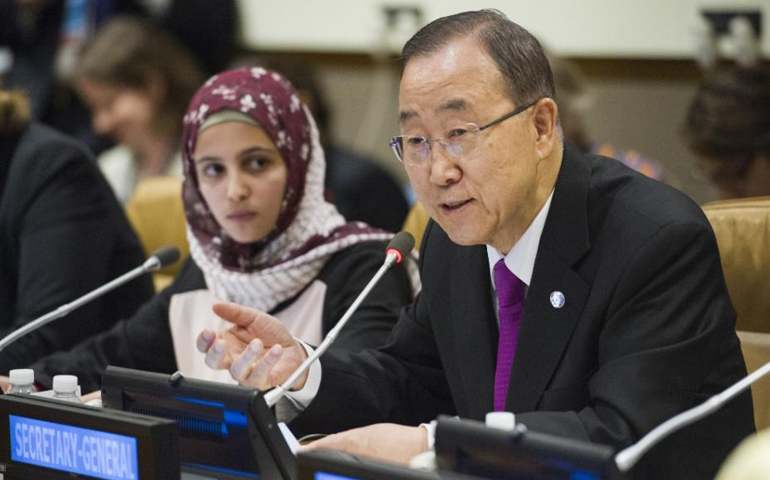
column 742, row 229
column 416, row 222
column 157, row 214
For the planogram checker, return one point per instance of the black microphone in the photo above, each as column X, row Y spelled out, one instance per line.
column 627, row 458
column 160, row 258
column 398, row 248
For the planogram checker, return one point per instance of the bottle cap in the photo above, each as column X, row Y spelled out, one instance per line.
column 65, row 383
column 22, row 376
column 501, row 420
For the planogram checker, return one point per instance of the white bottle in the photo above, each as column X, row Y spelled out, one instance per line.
column 22, row 381
column 65, row 387
column 501, row 420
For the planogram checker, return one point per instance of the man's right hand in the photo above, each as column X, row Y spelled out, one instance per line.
column 258, row 350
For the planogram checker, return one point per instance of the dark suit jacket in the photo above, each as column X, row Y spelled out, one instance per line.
column 62, row 234
column 647, row 330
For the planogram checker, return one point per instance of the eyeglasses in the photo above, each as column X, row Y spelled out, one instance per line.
column 458, row 142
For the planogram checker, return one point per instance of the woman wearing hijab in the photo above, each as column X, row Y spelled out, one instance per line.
column 260, row 235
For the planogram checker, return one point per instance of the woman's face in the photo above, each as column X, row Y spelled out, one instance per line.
column 242, row 177
column 123, row 113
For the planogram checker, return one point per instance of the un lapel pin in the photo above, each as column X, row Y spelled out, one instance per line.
column 557, row 299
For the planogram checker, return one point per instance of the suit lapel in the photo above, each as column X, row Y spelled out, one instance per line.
column 475, row 330
column 545, row 330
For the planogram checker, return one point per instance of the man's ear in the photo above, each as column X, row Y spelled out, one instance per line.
column 545, row 115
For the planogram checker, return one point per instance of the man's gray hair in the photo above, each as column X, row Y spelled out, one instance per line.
column 517, row 53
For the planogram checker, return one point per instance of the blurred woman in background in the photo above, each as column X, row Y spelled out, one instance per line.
column 137, row 80
column 62, row 234
column 728, row 127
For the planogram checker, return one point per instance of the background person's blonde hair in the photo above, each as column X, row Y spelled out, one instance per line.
column 14, row 111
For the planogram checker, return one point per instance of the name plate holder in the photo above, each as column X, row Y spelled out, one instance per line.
column 52, row 439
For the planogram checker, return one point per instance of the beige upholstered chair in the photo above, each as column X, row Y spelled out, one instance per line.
column 416, row 222
column 157, row 214
column 742, row 228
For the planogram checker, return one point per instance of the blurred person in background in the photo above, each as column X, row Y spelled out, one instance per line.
column 62, row 234
column 749, row 461
column 361, row 189
column 574, row 99
column 137, row 80
column 44, row 37
column 728, row 127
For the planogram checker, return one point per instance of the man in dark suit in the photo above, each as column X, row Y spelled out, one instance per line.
column 613, row 312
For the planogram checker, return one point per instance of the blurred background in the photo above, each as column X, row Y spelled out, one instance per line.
column 641, row 62
column 638, row 62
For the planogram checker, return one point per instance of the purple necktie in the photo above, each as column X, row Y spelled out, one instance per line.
column 510, row 296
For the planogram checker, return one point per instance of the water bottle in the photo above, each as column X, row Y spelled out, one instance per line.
column 501, row 420
column 22, row 381
column 65, row 388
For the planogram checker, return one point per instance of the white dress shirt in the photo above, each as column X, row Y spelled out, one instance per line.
column 520, row 260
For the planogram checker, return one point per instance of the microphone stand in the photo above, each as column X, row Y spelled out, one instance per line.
column 272, row 397
column 262, row 402
column 150, row 265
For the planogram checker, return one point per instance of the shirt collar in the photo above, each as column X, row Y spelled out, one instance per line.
column 521, row 258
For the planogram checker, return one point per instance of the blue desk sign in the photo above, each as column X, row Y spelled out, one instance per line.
column 330, row 476
column 77, row 450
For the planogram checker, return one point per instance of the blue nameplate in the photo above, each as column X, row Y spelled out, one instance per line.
column 73, row 449
column 330, row 476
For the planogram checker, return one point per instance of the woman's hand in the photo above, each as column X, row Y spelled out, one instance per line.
column 258, row 350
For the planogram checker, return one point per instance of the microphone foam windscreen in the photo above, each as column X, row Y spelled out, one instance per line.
column 403, row 242
column 166, row 255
